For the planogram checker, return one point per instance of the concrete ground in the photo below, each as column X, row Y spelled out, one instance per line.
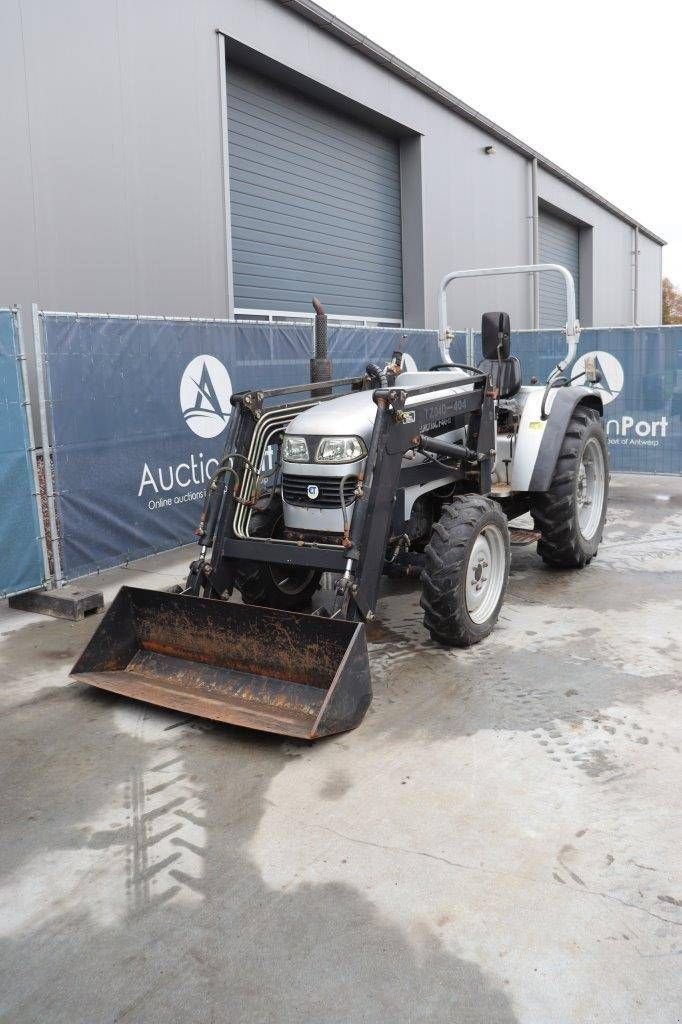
column 499, row 842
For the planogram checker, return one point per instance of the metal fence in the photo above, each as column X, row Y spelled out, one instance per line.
column 135, row 411
column 23, row 556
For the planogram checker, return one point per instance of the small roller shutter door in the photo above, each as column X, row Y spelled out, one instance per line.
column 559, row 243
column 314, row 204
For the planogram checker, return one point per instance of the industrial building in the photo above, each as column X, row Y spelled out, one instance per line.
column 231, row 159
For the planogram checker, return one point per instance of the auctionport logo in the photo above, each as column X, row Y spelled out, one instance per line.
column 623, row 430
column 205, row 392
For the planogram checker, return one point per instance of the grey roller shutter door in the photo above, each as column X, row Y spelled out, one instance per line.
column 314, row 204
column 559, row 243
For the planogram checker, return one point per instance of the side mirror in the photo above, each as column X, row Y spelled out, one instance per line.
column 495, row 333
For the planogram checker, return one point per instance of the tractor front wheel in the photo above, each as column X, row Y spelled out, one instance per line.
column 570, row 515
column 466, row 572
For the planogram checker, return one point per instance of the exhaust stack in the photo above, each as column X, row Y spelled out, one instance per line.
column 320, row 365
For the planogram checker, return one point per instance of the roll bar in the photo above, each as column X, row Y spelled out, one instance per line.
column 572, row 328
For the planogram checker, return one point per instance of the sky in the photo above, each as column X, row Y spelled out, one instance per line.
column 593, row 86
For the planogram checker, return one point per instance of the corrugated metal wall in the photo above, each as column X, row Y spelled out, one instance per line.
column 559, row 243
column 315, row 204
column 113, row 196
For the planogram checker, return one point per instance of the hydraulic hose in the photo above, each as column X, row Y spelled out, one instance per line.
column 344, row 512
column 210, row 510
column 553, row 382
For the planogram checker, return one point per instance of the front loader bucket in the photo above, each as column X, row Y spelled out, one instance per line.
column 283, row 672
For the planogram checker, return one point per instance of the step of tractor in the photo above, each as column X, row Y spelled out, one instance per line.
column 518, row 536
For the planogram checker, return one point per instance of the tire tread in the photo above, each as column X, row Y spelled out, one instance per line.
column 553, row 513
column 443, row 575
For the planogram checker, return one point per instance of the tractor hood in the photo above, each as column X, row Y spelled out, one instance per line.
column 350, row 414
column 354, row 414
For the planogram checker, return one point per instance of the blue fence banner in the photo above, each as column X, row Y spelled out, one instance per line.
column 139, row 407
column 21, row 553
column 641, row 388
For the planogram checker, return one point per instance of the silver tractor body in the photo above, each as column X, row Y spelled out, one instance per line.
column 315, row 493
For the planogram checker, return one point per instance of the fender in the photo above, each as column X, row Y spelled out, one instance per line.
column 556, row 425
column 539, row 441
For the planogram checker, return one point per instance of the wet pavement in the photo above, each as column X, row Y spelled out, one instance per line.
column 498, row 842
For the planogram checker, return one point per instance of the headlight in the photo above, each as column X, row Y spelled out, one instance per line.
column 340, row 449
column 295, row 449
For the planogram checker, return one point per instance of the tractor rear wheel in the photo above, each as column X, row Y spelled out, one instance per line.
column 570, row 515
column 270, row 584
column 466, row 572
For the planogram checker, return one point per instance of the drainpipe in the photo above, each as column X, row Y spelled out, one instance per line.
column 536, row 240
column 635, row 279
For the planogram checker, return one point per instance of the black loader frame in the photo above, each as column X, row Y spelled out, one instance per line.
column 405, row 417
column 281, row 671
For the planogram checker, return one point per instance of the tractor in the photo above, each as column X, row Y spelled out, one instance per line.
column 393, row 472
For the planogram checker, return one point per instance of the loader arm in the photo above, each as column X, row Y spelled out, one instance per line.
column 403, row 415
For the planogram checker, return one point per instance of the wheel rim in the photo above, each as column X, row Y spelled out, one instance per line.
column 289, row 579
column 590, row 488
column 485, row 574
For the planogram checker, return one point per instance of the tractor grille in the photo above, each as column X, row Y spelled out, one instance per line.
column 295, row 490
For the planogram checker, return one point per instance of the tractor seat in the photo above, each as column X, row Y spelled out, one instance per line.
column 502, row 369
column 504, row 375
